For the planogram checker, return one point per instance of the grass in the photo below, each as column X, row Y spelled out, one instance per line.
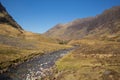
column 89, row 62
column 9, row 30
column 16, row 50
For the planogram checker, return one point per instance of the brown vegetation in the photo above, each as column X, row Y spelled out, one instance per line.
column 101, row 26
column 93, row 60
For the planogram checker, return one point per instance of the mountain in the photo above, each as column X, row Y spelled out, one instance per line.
column 8, row 26
column 6, row 18
column 99, row 41
column 105, row 25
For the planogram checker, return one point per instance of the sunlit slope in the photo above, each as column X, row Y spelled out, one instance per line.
column 105, row 26
column 93, row 60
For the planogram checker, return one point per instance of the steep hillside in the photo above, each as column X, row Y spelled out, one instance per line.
column 106, row 25
column 6, row 18
column 8, row 25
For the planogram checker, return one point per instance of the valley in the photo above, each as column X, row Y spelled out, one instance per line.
column 83, row 49
column 18, row 45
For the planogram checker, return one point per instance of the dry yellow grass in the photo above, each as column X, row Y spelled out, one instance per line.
column 12, row 55
column 9, row 30
column 90, row 62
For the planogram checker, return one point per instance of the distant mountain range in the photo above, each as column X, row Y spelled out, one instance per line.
column 103, row 26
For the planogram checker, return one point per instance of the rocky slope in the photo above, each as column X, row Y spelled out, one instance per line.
column 105, row 25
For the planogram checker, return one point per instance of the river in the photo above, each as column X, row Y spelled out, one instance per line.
column 34, row 68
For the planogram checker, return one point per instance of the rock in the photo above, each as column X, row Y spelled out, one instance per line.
column 110, row 75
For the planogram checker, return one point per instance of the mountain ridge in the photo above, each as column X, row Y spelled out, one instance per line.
column 105, row 24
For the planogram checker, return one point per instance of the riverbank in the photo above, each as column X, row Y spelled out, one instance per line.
column 12, row 56
column 93, row 60
column 34, row 68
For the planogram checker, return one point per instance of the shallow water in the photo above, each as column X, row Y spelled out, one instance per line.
column 34, row 68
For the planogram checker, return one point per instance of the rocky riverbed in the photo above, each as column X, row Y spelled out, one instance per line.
column 34, row 68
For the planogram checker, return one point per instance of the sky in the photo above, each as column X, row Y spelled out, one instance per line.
column 40, row 15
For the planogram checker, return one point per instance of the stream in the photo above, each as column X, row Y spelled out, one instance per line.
column 35, row 68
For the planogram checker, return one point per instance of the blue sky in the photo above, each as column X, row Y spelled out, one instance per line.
column 40, row 15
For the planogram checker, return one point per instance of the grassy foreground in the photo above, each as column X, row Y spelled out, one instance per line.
column 94, row 60
column 19, row 51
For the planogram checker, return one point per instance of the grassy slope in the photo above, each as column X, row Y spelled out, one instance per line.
column 94, row 60
column 19, row 51
column 6, row 29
